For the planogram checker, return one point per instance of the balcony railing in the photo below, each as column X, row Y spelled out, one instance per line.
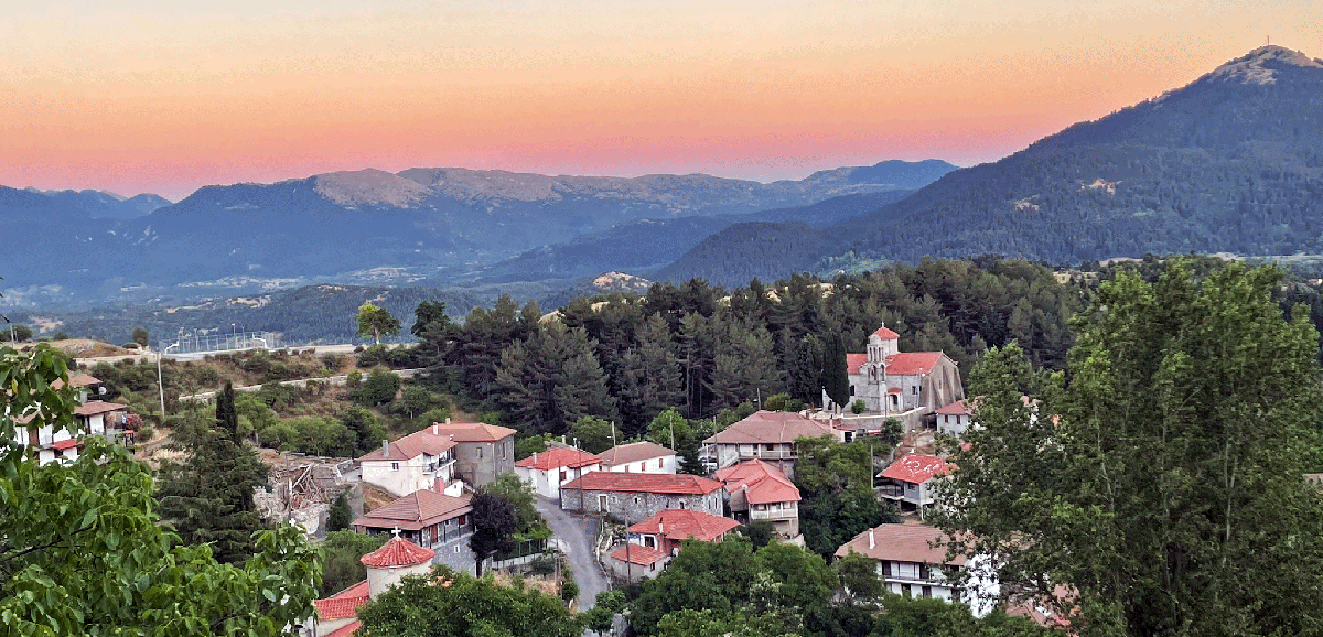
column 774, row 514
column 788, row 454
column 891, row 491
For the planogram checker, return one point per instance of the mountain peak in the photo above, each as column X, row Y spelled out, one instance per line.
column 1260, row 65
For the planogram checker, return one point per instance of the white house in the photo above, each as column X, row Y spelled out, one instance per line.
column 547, row 470
column 909, row 480
column 421, row 460
column 890, row 381
column 769, row 436
column 953, row 419
column 639, row 457
column 909, row 564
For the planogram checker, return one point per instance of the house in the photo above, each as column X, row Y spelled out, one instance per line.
column 632, row 563
column 483, row 452
column 759, row 491
column 639, row 457
column 667, row 530
column 635, row 496
column 546, row 471
column 336, row 615
column 768, row 436
column 423, row 459
column 953, row 418
column 908, row 480
column 96, row 417
column 891, row 382
column 429, row 519
column 910, row 564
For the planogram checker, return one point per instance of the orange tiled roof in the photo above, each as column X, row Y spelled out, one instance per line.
column 474, row 431
column 342, row 604
column 398, row 552
column 645, row 483
column 634, row 452
column 683, row 524
column 636, row 554
column 346, row 630
column 771, row 427
column 419, row 509
column 94, row 407
column 916, row 468
column 763, row 483
column 554, row 458
column 900, row 543
column 411, row 446
column 885, row 332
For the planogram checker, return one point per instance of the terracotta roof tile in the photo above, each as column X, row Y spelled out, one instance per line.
column 912, row 363
column 763, row 483
column 77, row 380
column 474, row 431
column 398, row 552
column 959, row 407
column 62, row 445
column 900, row 543
column 916, row 468
column 419, row 509
column 342, row 604
column 411, row 446
column 884, row 332
column 638, row 555
column 773, row 427
column 634, row 452
column 346, row 630
column 645, row 483
column 553, row 458
column 94, row 407
column 853, row 362
column 683, row 524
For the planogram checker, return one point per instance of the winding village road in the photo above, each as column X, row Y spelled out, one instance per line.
column 578, row 548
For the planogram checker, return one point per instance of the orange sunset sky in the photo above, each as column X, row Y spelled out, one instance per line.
column 164, row 96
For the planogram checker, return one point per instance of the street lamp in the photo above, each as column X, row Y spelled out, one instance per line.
column 160, row 384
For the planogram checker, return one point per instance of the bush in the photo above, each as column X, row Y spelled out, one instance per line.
column 542, row 565
column 372, row 356
column 145, row 434
column 568, row 591
column 333, row 362
column 378, row 388
column 858, row 406
column 354, row 379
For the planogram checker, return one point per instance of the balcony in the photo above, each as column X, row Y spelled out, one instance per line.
column 890, row 491
column 774, row 514
column 763, row 454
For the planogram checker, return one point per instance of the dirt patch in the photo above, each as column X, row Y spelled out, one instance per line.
column 375, row 497
column 88, row 348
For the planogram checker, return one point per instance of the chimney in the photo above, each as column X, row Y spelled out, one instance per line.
column 438, row 485
column 436, row 429
column 872, row 541
column 661, row 527
column 535, row 458
column 385, row 447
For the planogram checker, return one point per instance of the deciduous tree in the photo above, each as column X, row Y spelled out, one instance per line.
column 376, row 321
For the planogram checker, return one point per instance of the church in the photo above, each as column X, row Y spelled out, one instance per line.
column 890, row 381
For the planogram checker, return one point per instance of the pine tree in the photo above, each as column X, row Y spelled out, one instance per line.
column 340, row 515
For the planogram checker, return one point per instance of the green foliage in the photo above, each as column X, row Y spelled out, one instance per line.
column 81, row 550
column 1208, row 530
column 414, row 400
column 520, row 495
column 858, row 406
column 341, row 556
column 366, row 429
column 495, row 521
column 375, row 321
column 783, row 402
column 140, row 336
column 340, row 516
column 467, row 606
column 15, row 333
column 858, row 577
column 378, row 388
column 553, row 379
column 835, row 482
column 569, row 591
column 594, row 434
column 526, row 446
column 313, row 435
column 760, row 533
column 669, row 429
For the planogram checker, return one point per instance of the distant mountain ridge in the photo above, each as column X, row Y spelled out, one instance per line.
column 1231, row 162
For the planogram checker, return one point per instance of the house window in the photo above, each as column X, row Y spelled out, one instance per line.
column 601, row 502
column 394, row 466
column 479, row 452
column 659, row 463
column 914, row 391
column 927, row 591
column 638, row 500
column 456, row 548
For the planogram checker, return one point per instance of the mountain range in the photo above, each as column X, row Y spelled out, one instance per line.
column 1232, row 162
column 328, row 225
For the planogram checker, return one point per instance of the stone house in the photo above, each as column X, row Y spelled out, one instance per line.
column 667, row 530
column 424, row 459
column 546, row 471
column 769, row 436
column 483, row 452
column 634, row 563
column 908, row 481
column 639, row 457
column 757, row 490
column 890, row 381
column 909, row 564
column 431, row 520
column 635, row 496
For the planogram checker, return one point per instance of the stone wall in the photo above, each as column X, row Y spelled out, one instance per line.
column 633, row 507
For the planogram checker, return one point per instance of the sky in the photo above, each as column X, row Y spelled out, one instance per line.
column 165, row 96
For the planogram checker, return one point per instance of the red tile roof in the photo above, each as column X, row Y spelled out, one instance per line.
column 683, row 524
column 645, row 483
column 884, row 332
column 411, row 446
column 634, row 452
column 555, row 458
column 398, row 552
column 474, row 431
column 853, row 362
column 763, row 483
column 77, row 380
column 342, row 604
column 638, row 555
column 900, row 543
column 64, row 444
column 958, row 407
column 771, row 426
column 346, row 630
column 913, row 363
column 419, row 509
column 94, row 407
column 916, row 468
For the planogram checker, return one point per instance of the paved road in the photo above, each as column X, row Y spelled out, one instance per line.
column 578, row 547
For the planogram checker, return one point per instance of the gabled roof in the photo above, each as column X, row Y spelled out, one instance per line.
column 959, row 407
column 885, row 333
column 63, row 445
column 473, row 431
column 669, row 483
column 771, row 427
column 900, row 543
column 912, row 363
column 398, row 552
column 342, row 604
column 77, row 380
column 556, row 458
column 419, row 509
column 411, row 446
column 853, row 362
column 916, row 468
column 636, row 554
column 94, row 407
column 763, row 483
column 684, row 524
column 634, row 452
column 346, row 630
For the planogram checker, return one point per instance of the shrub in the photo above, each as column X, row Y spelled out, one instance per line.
column 858, row 406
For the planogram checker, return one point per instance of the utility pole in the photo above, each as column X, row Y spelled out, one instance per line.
column 160, row 385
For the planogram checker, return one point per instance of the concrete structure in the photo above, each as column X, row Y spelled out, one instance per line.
column 909, row 565
column 757, row 490
column 891, row 381
column 387, row 565
column 634, row 563
column 432, row 520
column 667, row 530
column 483, row 452
column 546, row 471
column 768, row 436
column 421, row 460
column 908, row 480
column 635, row 496
column 953, row 419
column 639, row 457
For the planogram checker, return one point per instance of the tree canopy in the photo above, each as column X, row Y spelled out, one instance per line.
column 377, row 321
